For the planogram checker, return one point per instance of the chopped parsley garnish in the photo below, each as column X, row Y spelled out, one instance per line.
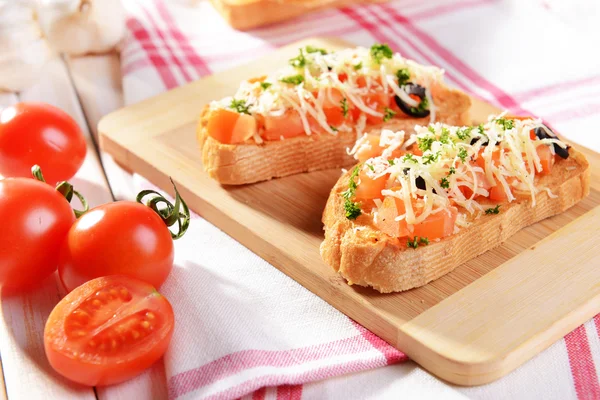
column 409, row 158
column 464, row 133
column 371, row 167
column 481, row 130
column 299, row 61
column 403, row 76
column 293, row 79
column 358, row 66
column 451, row 171
column 430, row 158
column 425, row 143
column 445, row 183
column 431, row 129
column 392, row 162
column 311, row 49
column 495, row 210
column 423, row 105
column 505, row 123
column 333, row 128
column 345, row 107
column 380, row 51
column 414, row 242
column 352, row 208
column 445, row 136
column 462, row 154
column 388, row 114
column 240, row 106
column 265, row 85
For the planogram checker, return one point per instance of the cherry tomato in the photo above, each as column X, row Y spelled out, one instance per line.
column 35, row 220
column 120, row 238
column 108, row 330
column 38, row 133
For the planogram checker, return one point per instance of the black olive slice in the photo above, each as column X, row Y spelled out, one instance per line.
column 547, row 133
column 484, row 141
column 420, row 182
column 417, row 90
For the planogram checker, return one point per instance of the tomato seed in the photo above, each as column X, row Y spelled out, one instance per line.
column 150, row 316
column 135, row 334
column 96, row 303
column 145, row 324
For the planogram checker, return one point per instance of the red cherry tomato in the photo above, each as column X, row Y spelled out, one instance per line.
column 121, row 238
column 108, row 330
column 38, row 133
column 35, row 221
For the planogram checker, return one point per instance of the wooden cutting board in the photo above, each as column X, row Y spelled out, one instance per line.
column 247, row 14
column 469, row 327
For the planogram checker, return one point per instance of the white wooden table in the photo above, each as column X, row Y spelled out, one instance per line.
column 87, row 88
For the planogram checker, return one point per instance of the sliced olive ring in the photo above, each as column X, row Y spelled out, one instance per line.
column 419, row 181
column 543, row 132
column 419, row 91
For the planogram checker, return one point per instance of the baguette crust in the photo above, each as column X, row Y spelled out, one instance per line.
column 237, row 164
column 368, row 257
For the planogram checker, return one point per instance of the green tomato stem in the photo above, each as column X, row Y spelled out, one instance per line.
column 64, row 188
column 170, row 214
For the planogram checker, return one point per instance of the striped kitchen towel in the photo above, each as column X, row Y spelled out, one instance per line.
column 244, row 328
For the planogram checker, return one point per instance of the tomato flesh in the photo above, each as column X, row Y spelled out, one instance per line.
column 120, row 238
column 108, row 330
column 287, row 126
column 35, row 220
column 368, row 188
column 38, row 133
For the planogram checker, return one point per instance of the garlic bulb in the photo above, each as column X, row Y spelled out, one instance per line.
column 23, row 50
column 82, row 26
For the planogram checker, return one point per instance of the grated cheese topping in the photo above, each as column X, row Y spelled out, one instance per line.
column 499, row 153
column 317, row 80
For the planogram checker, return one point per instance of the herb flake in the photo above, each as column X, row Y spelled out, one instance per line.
column 403, row 76
column 495, row 210
column 240, row 106
column 352, row 208
column 388, row 114
column 380, row 51
column 293, row 79
column 344, row 105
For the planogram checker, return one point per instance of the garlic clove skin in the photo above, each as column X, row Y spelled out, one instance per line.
column 80, row 27
column 23, row 50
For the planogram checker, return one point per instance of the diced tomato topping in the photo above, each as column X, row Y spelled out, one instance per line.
column 343, row 77
column 482, row 182
column 332, row 98
column 546, row 158
column 391, row 208
column 288, row 125
column 230, row 127
column 497, row 194
column 368, row 188
column 438, row 225
column 435, row 226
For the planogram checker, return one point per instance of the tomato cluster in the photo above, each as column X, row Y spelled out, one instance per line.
column 113, row 324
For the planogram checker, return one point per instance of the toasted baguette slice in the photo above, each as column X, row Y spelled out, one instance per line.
column 365, row 256
column 247, row 14
column 239, row 164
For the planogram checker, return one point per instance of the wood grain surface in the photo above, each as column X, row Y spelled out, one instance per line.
column 280, row 221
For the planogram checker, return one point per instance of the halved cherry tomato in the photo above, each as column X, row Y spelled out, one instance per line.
column 108, row 330
column 369, row 189
column 288, row 125
column 35, row 221
column 38, row 133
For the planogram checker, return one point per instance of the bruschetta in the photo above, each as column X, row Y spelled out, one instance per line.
column 307, row 115
column 247, row 14
column 417, row 206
